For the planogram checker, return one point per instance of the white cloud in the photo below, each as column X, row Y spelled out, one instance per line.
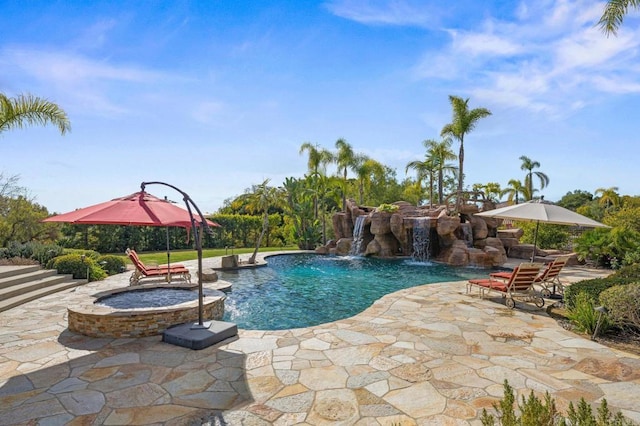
column 385, row 12
column 550, row 59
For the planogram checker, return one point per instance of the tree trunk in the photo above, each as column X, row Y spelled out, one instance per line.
column 460, row 175
column 265, row 225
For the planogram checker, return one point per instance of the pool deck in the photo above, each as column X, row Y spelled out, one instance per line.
column 426, row 355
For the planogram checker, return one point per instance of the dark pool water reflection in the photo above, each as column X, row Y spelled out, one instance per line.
column 302, row 290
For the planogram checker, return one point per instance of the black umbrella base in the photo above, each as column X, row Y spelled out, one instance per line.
column 196, row 336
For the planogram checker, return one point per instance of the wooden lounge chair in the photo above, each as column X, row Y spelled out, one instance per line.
column 143, row 271
column 548, row 278
column 519, row 285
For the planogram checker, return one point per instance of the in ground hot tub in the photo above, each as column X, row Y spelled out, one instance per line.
column 141, row 312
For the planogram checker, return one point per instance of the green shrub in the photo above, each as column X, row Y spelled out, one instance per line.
column 78, row 266
column 594, row 287
column 550, row 236
column 112, row 264
column 87, row 253
column 584, row 316
column 534, row 412
column 623, row 304
column 389, row 208
column 629, row 272
column 33, row 250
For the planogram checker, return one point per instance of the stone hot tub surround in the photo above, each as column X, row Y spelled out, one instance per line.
column 95, row 320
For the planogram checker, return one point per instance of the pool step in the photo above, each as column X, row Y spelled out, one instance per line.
column 22, row 284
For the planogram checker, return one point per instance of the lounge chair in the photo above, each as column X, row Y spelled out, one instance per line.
column 548, row 278
column 143, row 271
column 518, row 286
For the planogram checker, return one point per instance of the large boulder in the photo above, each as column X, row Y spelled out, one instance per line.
column 457, row 254
column 383, row 245
column 343, row 246
column 380, row 223
column 342, row 225
column 479, row 228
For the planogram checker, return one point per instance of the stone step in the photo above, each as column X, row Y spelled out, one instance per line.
column 21, row 284
column 25, row 277
column 10, row 271
column 20, row 299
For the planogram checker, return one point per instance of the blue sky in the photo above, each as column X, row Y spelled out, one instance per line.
column 215, row 96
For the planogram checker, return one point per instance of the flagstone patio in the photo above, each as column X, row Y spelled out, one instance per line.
column 427, row 355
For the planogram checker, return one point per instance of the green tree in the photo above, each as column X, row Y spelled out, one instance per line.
column 609, row 197
column 20, row 221
column 299, row 213
column 491, row 190
column 440, row 152
column 366, row 168
column 614, row 13
column 464, row 121
column 260, row 199
column 528, row 164
column 574, row 200
column 345, row 159
column 23, row 110
column 318, row 160
column 424, row 170
column 514, row 190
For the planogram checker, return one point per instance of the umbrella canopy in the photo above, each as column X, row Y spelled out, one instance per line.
column 140, row 209
column 541, row 211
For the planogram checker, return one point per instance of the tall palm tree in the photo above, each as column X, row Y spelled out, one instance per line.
column 318, row 159
column 464, row 121
column 528, row 164
column 614, row 13
column 23, row 110
column 424, row 169
column 514, row 190
column 441, row 152
column 366, row 168
column 345, row 159
column 608, row 196
column 259, row 201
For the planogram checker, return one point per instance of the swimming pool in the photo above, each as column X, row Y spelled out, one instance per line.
column 302, row 290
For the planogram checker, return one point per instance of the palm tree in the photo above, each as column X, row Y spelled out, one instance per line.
column 614, row 13
column 317, row 158
column 424, row 169
column 345, row 159
column 491, row 190
column 365, row 168
column 609, row 196
column 23, row 110
column 464, row 121
column 514, row 190
column 259, row 201
column 441, row 152
column 528, row 164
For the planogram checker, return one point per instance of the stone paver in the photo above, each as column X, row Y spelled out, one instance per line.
column 427, row 355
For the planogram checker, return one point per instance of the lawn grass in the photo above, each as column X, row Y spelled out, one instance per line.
column 160, row 257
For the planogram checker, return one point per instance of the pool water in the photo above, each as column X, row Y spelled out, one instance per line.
column 148, row 298
column 302, row 290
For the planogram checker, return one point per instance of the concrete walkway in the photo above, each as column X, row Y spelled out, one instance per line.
column 427, row 355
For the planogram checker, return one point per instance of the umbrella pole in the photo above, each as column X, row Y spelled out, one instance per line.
column 168, row 257
column 535, row 241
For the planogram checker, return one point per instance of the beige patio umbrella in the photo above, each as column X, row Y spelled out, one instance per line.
column 542, row 211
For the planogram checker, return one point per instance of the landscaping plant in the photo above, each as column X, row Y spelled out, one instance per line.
column 534, row 412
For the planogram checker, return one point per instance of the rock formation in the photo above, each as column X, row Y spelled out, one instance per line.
column 457, row 240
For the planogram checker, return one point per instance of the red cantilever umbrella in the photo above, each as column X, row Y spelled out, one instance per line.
column 140, row 208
